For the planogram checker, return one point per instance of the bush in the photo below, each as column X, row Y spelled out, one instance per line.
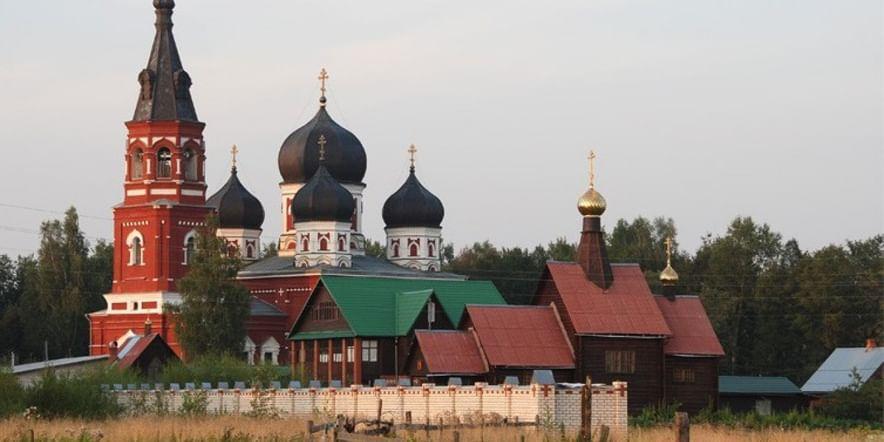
column 859, row 402
column 216, row 369
column 70, row 396
column 12, row 395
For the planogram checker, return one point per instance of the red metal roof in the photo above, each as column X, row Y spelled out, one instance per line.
column 626, row 308
column 521, row 336
column 450, row 352
column 133, row 347
column 692, row 333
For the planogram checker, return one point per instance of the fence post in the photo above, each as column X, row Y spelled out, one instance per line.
column 456, row 436
column 586, row 410
column 309, row 432
column 682, row 427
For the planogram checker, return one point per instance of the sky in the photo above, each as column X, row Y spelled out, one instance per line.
column 699, row 110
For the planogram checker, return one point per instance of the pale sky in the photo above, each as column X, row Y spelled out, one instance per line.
column 699, row 110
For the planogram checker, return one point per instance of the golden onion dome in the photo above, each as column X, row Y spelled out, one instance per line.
column 592, row 203
column 669, row 276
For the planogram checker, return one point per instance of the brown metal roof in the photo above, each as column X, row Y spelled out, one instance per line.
column 692, row 333
column 521, row 336
column 450, row 352
column 626, row 308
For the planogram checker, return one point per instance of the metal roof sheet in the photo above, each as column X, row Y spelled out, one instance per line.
column 361, row 265
column 375, row 306
column 625, row 308
column 837, row 370
column 450, row 352
column 692, row 333
column 55, row 363
column 521, row 336
column 259, row 307
column 756, row 385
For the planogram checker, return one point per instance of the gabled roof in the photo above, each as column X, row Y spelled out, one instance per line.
column 626, row 308
column 756, row 385
column 837, row 371
column 450, row 352
column 692, row 333
column 521, row 336
column 389, row 306
column 132, row 349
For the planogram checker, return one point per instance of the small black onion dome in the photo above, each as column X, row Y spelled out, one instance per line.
column 413, row 206
column 344, row 158
column 237, row 208
column 323, row 199
column 164, row 4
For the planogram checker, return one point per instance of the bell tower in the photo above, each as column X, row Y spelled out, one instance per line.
column 164, row 199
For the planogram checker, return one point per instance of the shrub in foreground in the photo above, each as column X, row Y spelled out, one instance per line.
column 70, row 396
column 12, row 395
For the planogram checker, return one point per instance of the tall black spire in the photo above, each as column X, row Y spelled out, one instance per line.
column 165, row 85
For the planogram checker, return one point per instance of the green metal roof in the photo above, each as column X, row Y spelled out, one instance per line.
column 756, row 385
column 389, row 306
column 323, row 334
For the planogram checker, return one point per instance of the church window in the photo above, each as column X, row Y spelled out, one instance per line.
column 137, row 165
column 164, row 163
column 683, row 375
column 189, row 248
column 342, row 244
column 232, row 249
column 135, row 305
column 305, row 243
column 268, row 357
column 432, row 248
column 622, row 361
column 136, row 250
column 250, row 251
column 395, row 249
column 326, row 311
column 190, row 165
column 323, row 243
column 413, row 250
column 369, row 351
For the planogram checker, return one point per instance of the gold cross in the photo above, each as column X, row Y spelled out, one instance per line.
column 668, row 249
column 411, row 151
column 592, row 156
column 233, row 152
column 321, row 144
column 323, row 75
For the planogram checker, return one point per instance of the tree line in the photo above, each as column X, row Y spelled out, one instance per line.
column 777, row 309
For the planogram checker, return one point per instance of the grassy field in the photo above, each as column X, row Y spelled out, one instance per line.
column 237, row 428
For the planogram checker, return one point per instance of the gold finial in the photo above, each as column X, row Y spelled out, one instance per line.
column 592, row 169
column 321, row 142
column 411, row 151
column 669, row 276
column 591, row 203
column 323, row 75
column 233, row 151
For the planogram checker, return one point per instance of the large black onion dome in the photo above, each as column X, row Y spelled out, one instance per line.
column 344, row 158
column 237, row 208
column 413, row 206
column 323, row 199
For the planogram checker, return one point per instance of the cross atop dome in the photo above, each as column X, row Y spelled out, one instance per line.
column 412, row 150
column 233, row 151
column 592, row 156
column 321, row 142
column 323, row 75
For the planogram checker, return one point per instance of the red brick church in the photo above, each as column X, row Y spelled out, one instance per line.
column 341, row 316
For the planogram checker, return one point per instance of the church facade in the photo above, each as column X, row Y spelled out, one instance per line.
column 341, row 316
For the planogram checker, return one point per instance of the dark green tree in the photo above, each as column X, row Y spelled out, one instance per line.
column 212, row 316
column 375, row 248
column 269, row 250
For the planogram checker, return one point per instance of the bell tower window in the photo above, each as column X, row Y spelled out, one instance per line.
column 136, row 248
column 164, row 163
column 137, row 165
column 190, row 165
column 189, row 249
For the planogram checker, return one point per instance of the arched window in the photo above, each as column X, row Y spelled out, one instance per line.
column 190, row 165
column 136, row 248
column 232, row 249
column 250, row 251
column 396, row 249
column 342, row 244
column 305, row 243
column 323, row 243
column 137, row 165
column 164, row 163
column 431, row 246
column 413, row 249
column 189, row 248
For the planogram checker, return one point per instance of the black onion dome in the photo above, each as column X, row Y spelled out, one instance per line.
column 237, row 208
column 344, row 158
column 323, row 199
column 413, row 206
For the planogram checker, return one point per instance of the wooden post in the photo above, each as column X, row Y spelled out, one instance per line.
column 682, row 427
column 456, row 436
column 357, row 361
column 586, row 410
column 604, row 433
column 309, row 433
column 408, row 425
column 440, row 428
column 331, row 351
column 344, row 362
column 315, row 374
column 380, row 408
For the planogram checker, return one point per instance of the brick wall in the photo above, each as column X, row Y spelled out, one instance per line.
column 553, row 406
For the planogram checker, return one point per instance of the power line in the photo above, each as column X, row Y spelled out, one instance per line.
column 56, row 212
